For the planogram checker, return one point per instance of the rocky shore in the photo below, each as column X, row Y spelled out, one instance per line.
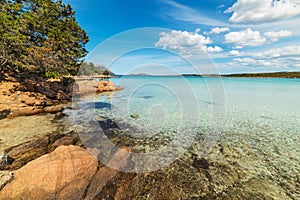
column 69, row 172
column 39, row 159
column 86, row 87
column 34, row 95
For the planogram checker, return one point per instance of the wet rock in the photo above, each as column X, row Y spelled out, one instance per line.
column 121, row 160
column 25, row 153
column 5, row 177
column 100, row 119
column 64, row 141
column 147, row 97
column 135, row 116
column 63, row 174
column 200, row 162
column 119, row 88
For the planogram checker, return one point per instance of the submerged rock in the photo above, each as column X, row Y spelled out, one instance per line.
column 99, row 118
column 135, row 116
column 121, row 160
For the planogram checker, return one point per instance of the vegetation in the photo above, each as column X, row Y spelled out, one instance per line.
column 40, row 36
column 89, row 69
column 268, row 75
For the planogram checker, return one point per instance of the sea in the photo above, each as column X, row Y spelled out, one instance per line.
column 196, row 137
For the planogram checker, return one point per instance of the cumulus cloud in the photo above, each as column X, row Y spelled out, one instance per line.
column 186, row 43
column 289, row 51
column 261, row 11
column 214, row 49
column 244, row 38
column 274, row 36
column 235, row 53
column 218, row 30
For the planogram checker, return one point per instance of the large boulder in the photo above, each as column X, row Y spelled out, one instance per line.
column 107, row 86
column 63, row 174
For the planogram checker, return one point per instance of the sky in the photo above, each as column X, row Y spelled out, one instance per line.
column 191, row 36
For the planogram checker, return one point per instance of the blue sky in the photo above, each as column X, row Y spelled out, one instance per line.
column 226, row 36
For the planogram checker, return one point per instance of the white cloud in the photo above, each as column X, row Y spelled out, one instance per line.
column 235, row 53
column 218, row 30
column 289, row 51
column 285, row 57
column 245, row 38
column 252, row 62
column 274, row 36
column 186, row 43
column 214, row 49
column 261, row 11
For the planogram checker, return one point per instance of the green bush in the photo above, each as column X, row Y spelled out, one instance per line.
column 54, row 75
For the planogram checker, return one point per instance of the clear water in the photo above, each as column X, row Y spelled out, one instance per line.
column 255, row 152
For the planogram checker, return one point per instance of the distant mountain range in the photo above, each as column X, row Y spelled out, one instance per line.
column 249, row 75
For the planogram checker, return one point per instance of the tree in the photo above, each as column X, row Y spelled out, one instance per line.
column 88, row 69
column 105, row 72
column 40, row 36
column 11, row 39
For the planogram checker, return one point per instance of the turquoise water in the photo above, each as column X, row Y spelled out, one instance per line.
column 251, row 125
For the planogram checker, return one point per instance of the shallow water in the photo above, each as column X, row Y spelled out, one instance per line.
column 251, row 126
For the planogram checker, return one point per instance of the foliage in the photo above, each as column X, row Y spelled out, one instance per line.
column 54, row 75
column 268, row 75
column 106, row 72
column 88, row 69
column 40, row 36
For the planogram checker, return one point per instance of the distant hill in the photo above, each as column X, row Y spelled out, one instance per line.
column 103, row 68
column 255, row 75
column 267, row 75
column 139, row 74
column 89, row 69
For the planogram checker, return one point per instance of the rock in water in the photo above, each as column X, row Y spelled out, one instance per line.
column 121, row 160
column 135, row 116
column 63, row 174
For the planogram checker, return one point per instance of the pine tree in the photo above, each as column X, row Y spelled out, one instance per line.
column 40, row 36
